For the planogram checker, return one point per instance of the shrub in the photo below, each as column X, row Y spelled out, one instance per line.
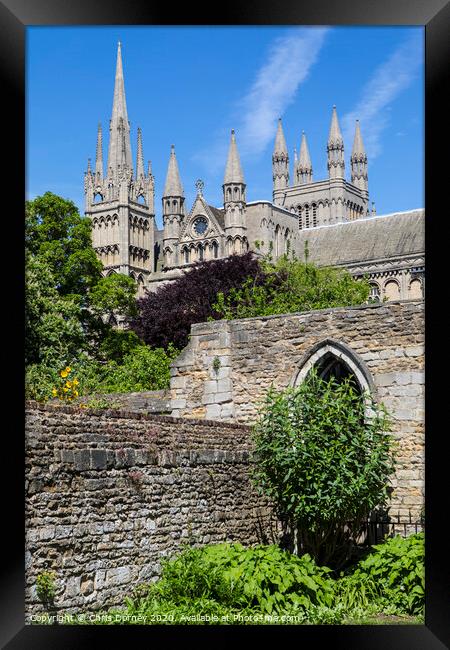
column 229, row 584
column 263, row 579
column 324, row 462
column 392, row 576
column 166, row 315
column 289, row 285
column 141, row 369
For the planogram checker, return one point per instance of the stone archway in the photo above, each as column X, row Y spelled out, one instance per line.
column 334, row 358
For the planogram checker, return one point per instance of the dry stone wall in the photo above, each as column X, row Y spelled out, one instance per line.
column 228, row 367
column 111, row 493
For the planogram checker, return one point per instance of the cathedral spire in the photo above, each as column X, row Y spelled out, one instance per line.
column 358, row 162
column 140, row 156
column 280, row 146
column 119, row 152
column 358, row 147
column 233, row 170
column 99, row 154
column 173, row 185
column 280, row 165
column 304, row 167
column 335, row 149
column 335, row 135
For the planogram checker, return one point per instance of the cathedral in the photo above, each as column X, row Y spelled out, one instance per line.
column 332, row 217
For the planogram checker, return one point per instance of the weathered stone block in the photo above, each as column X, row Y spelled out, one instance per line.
column 98, row 457
column 82, row 459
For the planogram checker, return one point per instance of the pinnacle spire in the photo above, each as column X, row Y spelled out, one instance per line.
column 140, row 156
column 335, row 135
column 358, row 146
column 119, row 152
column 99, row 153
column 305, row 159
column 280, row 141
column 173, row 185
column 233, row 170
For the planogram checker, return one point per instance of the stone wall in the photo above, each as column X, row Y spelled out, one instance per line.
column 228, row 367
column 110, row 493
column 150, row 401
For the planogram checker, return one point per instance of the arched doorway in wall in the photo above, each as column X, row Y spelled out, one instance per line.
column 335, row 359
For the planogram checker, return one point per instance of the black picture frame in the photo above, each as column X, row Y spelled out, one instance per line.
column 15, row 16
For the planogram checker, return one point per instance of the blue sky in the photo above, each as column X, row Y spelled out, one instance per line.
column 189, row 86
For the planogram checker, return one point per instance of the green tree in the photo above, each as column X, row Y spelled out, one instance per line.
column 323, row 454
column 69, row 286
column 114, row 293
column 289, row 285
column 56, row 233
column 54, row 333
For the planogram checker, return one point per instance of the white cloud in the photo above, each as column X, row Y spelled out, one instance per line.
column 385, row 85
column 288, row 64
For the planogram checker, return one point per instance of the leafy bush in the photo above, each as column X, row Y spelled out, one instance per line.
column 263, row 578
column 392, row 575
column 229, row 584
column 323, row 461
column 141, row 369
column 289, row 286
column 166, row 315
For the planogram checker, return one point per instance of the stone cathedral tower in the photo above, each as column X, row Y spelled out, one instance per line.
column 120, row 202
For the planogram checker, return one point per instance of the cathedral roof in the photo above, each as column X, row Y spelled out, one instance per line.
column 219, row 215
column 363, row 240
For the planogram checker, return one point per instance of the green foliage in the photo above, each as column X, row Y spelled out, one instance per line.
column 66, row 296
column 114, row 293
column 140, row 369
column 117, row 344
column 289, row 285
column 45, row 587
column 54, row 332
column 58, row 235
column 324, row 461
column 392, row 575
column 262, row 579
column 229, row 584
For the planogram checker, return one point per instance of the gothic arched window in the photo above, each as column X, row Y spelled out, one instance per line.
column 335, row 359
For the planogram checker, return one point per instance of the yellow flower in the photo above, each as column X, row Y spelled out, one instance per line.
column 68, row 384
column 65, row 389
column 64, row 373
column 54, row 392
column 75, row 382
column 75, row 392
